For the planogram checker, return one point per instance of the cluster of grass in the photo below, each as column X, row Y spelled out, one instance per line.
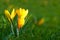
column 47, row 9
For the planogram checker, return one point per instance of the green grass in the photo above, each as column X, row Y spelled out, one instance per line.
column 47, row 9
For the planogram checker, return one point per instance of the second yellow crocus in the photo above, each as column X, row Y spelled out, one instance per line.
column 22, row 13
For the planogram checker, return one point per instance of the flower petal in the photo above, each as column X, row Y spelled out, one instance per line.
column 7, row 14
column 23, row 13
column 13, row 14
column 20, row 22
column 18, row 12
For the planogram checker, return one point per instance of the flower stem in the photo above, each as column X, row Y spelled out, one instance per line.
column 17, row 32
column 12, row 29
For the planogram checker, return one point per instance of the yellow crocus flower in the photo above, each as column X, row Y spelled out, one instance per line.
column 10, row 16
column 22, row 13
column 41, row 21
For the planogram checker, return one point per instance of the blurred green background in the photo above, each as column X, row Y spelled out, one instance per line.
column 47, row 9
